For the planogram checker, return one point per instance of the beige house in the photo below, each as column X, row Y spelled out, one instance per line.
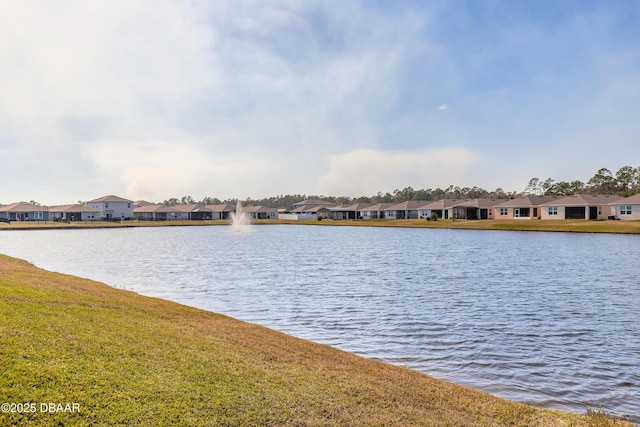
column 525, row 207
column 627, row 208
column 579, row 206
column 221, row 211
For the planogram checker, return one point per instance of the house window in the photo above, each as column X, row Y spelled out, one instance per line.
column 553, row 210
column 38, row 215
column 504, row 211
column 106, row 205
column 128, row 205
column 625, row 210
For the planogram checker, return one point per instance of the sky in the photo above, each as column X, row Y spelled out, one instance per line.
column 245, row 98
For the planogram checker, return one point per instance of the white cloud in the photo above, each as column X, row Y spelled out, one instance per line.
column 444, row 107
column 157, row 98
column 365, row 172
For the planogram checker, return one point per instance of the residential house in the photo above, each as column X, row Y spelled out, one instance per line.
column 313, row 202
column 260, row 212
column 627, row 208
column 23, row 211
column 74, row 213
column 579, row 206
column 405, row 210
column 113, row 208
column 156, row 213
column 476, row 208
column 351, row 211
column 376, row 211
column 221, row 211
column 443, row 208
column 525, row 207
column 193, row 212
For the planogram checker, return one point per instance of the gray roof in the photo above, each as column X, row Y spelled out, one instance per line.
column 110, row 198
column 73, row 208
column 23, row 207
column 583, row 200
column 631, row 200
column 155, row 209
column 259, row 209
column 221, row 208
column 409, row 205
column 444, row 204
column 377, row 207
column 526, row 201
column 350, row 207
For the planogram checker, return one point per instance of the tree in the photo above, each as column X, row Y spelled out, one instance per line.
column 626, row 180
column 602, row 182
column 534, row 187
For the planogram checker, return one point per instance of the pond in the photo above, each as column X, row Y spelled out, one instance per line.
column 550, row 319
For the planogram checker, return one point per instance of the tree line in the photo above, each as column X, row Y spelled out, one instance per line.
column 626, row 182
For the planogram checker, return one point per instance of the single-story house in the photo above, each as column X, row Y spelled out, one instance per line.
column 221, row 211
column 525, row 207
column 23, row 211
column 193, row 212
column 405, row 210
column 313, row 202
column 476, row 209
column 376, row 211
column 307, row 212
column 156, row 213
column 351, row 211
column 443, row 208
column 627, row 208
column 579, row 206
column 74, row 213
column 260, row 212
column 113, row 207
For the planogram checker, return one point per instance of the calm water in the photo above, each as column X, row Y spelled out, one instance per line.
column 550, row 319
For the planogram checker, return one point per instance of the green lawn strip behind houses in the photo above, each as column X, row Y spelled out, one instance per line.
column 126, row 359
column 575, row 226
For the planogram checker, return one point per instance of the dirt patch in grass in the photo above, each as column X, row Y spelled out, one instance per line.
column 126, row 359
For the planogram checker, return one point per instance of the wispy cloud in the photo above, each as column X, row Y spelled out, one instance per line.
column 365, row 172
column 234, row 98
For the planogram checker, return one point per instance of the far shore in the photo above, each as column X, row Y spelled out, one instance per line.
column 114, row 357
column 573, row 226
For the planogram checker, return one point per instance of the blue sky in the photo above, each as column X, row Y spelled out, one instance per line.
column 155, row 99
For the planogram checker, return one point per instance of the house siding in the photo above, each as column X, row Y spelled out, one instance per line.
column 616, row 211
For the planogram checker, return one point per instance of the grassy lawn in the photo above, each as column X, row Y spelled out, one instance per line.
column 125, row 359
column 576, row 226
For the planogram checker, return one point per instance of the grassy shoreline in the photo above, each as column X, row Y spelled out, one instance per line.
column 572, row 226
column 126, row 359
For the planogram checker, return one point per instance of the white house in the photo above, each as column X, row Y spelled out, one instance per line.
column 627, row 208
column 113, row 207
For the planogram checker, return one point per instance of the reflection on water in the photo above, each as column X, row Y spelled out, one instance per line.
column 545, row 318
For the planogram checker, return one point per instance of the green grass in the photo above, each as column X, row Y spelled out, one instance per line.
column 577, row 226
column 133, row 360
column 574, row 226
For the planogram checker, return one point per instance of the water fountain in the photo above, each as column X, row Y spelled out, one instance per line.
column 239, row 220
